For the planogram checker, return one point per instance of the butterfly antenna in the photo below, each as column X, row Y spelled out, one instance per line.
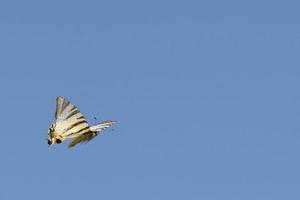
column 111, row 130
column 95, row 118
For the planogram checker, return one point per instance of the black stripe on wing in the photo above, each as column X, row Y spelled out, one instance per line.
column 74, row 112
column 61, row 104
column 86, row 137
column 81, row 131
column 76, row 124
column 74, row 108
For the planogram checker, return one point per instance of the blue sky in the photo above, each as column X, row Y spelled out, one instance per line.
column 206, row 94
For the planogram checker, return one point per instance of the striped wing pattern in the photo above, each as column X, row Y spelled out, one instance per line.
column 69, row 120
column 70, row 123
column 83, row 138
column 86, row 137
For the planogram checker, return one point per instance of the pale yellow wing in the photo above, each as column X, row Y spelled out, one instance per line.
column 69, row 120
column 94, row 130
column 86, row 137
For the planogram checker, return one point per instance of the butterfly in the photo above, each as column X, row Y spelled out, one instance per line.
column 71, row 124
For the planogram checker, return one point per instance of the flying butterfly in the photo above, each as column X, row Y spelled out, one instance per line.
column 71, row 124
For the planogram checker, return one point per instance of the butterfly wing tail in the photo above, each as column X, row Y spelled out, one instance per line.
column 103, row 125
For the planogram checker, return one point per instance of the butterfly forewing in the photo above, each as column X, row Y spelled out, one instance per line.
column 61, row 104
column 69, row 120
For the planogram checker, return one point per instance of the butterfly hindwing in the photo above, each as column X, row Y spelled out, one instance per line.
column 103, row 125
column 86, row 137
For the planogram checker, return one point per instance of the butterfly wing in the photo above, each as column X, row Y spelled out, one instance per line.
column 69, row 120
column 86, row 137
column 103, row 125
column 61, row 105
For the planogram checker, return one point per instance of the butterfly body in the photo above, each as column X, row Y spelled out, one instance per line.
column 70, row 123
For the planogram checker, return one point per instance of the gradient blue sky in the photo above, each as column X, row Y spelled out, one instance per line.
column 206, row 94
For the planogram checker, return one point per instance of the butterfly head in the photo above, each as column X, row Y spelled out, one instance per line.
column 52, row 141
column 51, row 136
column 49, row 141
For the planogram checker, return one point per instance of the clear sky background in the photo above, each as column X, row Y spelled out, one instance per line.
column 206, row 94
